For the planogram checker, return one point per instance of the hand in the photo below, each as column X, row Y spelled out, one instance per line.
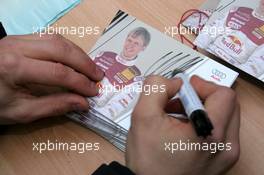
column 30, row 64
column 153, row 133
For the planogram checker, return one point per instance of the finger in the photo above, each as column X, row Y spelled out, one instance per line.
column 34, row 36
column 232, row 135
column 230, row 154
column 43, row 90
column 219, row 103
column 156, row 101
column 58, row 49
column 53, row 74
column 54, row 105
column 220, row 107
column 202, row 87
column 175, row 106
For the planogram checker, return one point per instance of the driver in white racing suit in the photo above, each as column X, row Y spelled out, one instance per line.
column 238, row 35
column 119, row 89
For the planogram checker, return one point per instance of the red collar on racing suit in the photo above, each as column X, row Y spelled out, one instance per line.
column 116, row 72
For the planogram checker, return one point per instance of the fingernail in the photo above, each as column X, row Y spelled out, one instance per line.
column 99, row 72
column 80, row 108
column 94, row 87
column 175, row 78
column 97, row 90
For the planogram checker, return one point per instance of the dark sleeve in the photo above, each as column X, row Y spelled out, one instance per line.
column 2, row 31
column 113, row 168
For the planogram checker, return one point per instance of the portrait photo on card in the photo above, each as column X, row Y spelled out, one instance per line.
column 118, row 91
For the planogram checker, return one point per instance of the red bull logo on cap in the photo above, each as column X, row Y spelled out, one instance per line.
column 233, row 43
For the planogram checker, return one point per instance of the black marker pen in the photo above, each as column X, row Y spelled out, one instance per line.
column 194, row 108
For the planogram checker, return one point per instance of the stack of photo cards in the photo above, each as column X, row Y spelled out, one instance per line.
column 129, row 51
column 235, row 33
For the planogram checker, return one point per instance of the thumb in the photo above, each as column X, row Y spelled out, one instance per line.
column 52, row 105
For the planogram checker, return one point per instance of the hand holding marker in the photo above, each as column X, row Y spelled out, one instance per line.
column 194, row 108
column 189, row 98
